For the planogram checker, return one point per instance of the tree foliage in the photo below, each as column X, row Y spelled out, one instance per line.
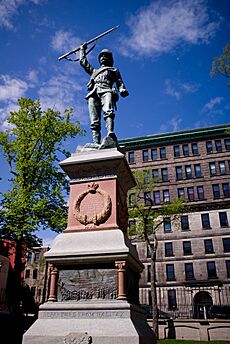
column 148, row 219
column 32, row 146
column 221, row 64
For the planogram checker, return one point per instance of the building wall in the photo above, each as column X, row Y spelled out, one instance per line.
column 36, row 273
column 205, row 155
column 4, row 269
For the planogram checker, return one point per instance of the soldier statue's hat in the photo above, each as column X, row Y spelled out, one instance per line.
column 108, row 53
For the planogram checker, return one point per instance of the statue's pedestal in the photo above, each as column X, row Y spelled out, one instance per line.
column 94, row 281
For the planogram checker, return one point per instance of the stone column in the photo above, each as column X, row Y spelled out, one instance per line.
column 121, row 280
column 53, row 284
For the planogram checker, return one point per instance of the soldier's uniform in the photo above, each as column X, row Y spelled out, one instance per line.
column 102, row 96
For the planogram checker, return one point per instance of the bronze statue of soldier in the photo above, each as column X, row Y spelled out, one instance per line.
column 102, row 95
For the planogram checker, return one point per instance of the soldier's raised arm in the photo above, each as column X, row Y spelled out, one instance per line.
column 83, row 60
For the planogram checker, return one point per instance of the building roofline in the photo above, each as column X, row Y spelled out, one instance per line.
column 174, row 137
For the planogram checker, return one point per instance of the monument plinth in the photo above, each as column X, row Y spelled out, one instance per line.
column 93, row 295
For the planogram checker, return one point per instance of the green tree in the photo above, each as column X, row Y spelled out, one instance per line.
column 221, row 64
column 148, row 219
column 35, row 200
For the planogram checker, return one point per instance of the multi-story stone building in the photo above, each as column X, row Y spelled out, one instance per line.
column 193, row 259
column 36, row 273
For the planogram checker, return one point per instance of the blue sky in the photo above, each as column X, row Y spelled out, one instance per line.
column 163, row 49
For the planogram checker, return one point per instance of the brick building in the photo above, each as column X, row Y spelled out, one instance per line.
column 193, row 259
column 36, row 273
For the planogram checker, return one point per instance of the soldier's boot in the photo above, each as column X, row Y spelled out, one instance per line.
column 109, row 126
column 96, row 135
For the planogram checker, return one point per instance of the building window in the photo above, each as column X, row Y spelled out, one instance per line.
column 200, row 192
column 227, row 144
column 164, row 174
column 33, row 289
column 145, row 155
column 190, row 192
column 197, row 170
column 132, row 225
column 150, row 298
column 188, row 171
column 179, row 174
column 180, row 192
column 27, row 274
column 189, row 273
column 218, row 145
column 226, row 190
column 176, row 151
column 222, row 167
column 185, row 150
column 226, row 244
column 149, row 273
column 208, row 246
column 35, row 274
column 156, row 197
column 209, row 146
column 184, row 223
column 170, row 273
column 205, row 221
column 163, row 153
column 228, row 268
column 147, row 198
column 29, row 257
column 36, row 257
column 212, row 168
column 167, row 225
column 223, row 219
column 172, row 303
column 154, row 154
column 132, row 199
column 195, row 150
column 166, row 197
column 187, row 248
column 147, row 177
column 155, row 174
column 131, row 157
column 148, row 252
column 211, row 268
column 216, row 191
column 168, row 249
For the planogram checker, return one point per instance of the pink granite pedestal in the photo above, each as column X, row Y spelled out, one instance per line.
column 96, row 269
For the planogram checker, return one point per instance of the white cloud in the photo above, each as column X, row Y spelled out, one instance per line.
column 62, row 92
column 172, row 125
column 177, row 89
column 59, row 92
column 11, row 88
column 64, row 41
column 166, row 24
column 190, row 87
column 212, row 104
column 33, row 76
column 9, row 8
column 171, row 90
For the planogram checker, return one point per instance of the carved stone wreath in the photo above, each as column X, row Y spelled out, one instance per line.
column 95, row 219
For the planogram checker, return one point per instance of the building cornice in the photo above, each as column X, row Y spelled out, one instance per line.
column 175, row 137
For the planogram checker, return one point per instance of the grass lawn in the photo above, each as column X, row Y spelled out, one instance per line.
column 180, row 341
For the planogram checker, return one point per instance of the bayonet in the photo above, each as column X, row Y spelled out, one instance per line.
column 87, row 43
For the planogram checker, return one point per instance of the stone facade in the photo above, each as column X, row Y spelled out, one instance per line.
column 193, row 257
column 36, row 273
